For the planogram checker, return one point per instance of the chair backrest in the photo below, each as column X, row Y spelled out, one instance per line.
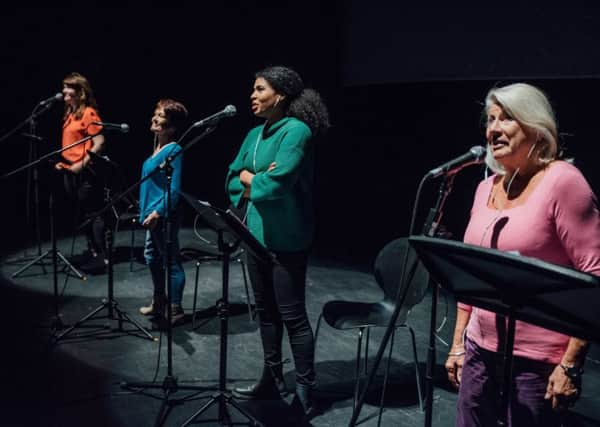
column 388, row 272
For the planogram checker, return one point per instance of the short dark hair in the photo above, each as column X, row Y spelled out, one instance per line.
column 175, row 112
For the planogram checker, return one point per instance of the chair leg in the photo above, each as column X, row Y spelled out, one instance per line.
column 131, row 244
column 367, row 351
column 357, row 370
column 385, row 378
column 317, row 329
column 416, row 360
column 248, row 301
column 73, row 243
column 195, row 294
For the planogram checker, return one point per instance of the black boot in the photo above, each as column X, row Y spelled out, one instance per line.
column 270, row 386
column 304, row 401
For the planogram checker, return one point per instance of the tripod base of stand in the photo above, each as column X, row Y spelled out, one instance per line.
column 113, row 308
column 170, row 387
column 57, row 324
column 223, row 399
column 40, row 259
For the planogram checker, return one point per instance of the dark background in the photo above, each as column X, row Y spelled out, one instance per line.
column 404, row 86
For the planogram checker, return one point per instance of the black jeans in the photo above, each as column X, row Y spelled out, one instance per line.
column 279, row 292
column 88, row 190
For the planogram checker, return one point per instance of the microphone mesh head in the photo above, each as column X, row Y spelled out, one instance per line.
column 124, row 127
column 58, row 96
column 230, row 110
column 478, row 151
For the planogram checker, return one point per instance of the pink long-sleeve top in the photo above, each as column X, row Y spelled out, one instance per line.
column 559, row 222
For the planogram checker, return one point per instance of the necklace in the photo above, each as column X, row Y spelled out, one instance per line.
column 501, row 209
column 258, row 139
column 255, row 150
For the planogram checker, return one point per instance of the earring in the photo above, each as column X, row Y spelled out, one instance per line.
column 277, row 101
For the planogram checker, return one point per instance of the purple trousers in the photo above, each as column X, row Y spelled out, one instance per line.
column 479, row 393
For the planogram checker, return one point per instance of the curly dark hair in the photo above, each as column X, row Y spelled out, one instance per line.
column 303, row 103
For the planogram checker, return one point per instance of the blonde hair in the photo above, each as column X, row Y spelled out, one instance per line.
column 530, row 107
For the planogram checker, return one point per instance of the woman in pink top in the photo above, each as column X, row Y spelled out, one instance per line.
column 541, row 207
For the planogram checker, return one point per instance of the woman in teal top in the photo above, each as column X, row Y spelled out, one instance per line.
column 272, row 178
column 167, row 121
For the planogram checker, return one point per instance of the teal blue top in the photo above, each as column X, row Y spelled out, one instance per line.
column 152, row 191
column 280, row 213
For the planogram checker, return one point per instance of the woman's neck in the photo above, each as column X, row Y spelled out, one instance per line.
column 163, row 140
column 518, row 178
column 274, row 118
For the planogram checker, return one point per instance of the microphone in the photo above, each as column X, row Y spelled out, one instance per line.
column 474, row 156
column 121, row 127
column 228, row 111
column 33, row 137
column 51, row 100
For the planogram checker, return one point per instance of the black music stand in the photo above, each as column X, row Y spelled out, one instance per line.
column 518, row 287
column 231, row 233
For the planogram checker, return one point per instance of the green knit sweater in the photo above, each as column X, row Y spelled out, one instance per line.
column 280, row 212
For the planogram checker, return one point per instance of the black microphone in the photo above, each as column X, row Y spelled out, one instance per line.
column 474, row 156
column 33, row 137
column 51, row 100
column 121, row 127
column 228, row 111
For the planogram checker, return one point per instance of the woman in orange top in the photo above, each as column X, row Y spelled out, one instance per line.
column 81, row 183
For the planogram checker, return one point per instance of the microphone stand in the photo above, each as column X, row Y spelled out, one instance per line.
column 54, row 252
column 169, row 384
column 109, row 303
column 32, row 177
column 70, row 266
column 430, row 228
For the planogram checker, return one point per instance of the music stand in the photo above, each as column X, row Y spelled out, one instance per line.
column 521, row 288
column 231, row 233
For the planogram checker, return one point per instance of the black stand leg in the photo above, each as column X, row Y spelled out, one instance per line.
column 223, row 397
column 169, row 384
column 52, row 252
column 169, row 387
column 431, row 356
column 110, row 304
column 40, row 260
column 507, row 365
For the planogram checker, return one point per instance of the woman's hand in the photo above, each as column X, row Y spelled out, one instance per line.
column 151, row 220
column 454, row 364
column 246, row 177
column 76, row 168
column 561, row 389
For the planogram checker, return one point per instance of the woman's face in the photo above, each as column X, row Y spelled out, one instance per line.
column 70, row 96
column 264, row 99
column 158, row 124
column 509, row 142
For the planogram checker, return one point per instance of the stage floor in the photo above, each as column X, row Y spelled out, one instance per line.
column 77, row 381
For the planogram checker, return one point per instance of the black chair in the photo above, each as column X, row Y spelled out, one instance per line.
column 208, row 255
column 130, row 217
column 343, row 315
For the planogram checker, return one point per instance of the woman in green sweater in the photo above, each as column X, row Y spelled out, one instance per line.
column 272, row 179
